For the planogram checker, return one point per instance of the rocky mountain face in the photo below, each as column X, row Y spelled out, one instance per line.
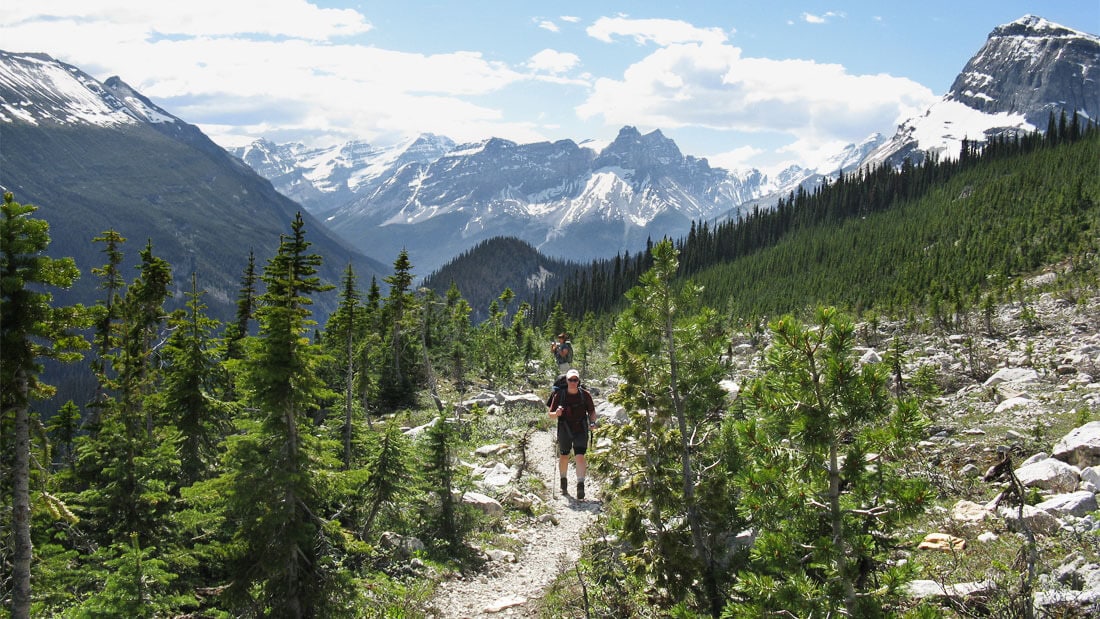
column 97, row 155
column 321, row 179
column 1026, row 71
column 569, row 201
column 1039, row 68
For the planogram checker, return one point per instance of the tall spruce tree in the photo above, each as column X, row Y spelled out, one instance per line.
column 345, row 329
column 129, row 464
column 105, row 315
column 31, row 330
column 276, row 486
column 188, row 400
column 402, row 319
column 246, row 309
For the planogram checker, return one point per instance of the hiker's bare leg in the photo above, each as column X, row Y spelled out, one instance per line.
column 563, row 465
column 582, row 467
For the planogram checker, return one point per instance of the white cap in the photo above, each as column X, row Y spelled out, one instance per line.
column 572, row 373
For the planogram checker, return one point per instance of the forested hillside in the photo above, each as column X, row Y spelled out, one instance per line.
column 940, row 234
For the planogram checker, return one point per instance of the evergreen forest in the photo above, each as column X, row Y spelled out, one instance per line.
column 256, row 468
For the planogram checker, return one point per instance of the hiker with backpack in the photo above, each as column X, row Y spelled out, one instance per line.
column 563, row 352
column 575, row 411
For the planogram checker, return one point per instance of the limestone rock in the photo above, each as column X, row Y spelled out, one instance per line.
column 1077, row 504
column 1091, row 475
column 969, row 511
column 491, row 450
column 405, row 546
column 1050, row 474
column 921, row 589
column 1016, row 376
column 1037, row 520
column 1081, row 447
column 1011, row 403
column 486, row 504
column 505, row 603
column 496, row 475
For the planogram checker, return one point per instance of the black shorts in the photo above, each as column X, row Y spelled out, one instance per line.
column 577, row 442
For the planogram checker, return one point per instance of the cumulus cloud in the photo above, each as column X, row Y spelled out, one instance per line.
column 553, row 61
column 287, row 66
column 549, row 25
column 810, row 18
column 703, row 82
column 660, row 31
column 207, row 18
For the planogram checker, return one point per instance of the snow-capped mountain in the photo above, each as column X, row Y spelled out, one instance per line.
column 567, row 200
column 40, row 90
column 98, row 155
column 321, row 179
column 1026, row 71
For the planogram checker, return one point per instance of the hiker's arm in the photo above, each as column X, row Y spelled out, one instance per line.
column 555, row 409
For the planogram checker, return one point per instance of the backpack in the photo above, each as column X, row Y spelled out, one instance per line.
column 568, row 353
column 575, row 421
column 559, row 384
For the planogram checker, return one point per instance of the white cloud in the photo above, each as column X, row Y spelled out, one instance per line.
column 810, row 18
column 570, row 18
column 708, row 84
column 272, row 66
column 660, row 31
column 549, row 25
column 206, row 18
column 736, row 159
column 553, row 61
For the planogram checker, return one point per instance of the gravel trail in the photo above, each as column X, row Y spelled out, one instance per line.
column 548, row 544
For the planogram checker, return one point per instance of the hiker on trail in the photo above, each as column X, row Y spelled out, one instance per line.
column 576, row 415
column 563, row 352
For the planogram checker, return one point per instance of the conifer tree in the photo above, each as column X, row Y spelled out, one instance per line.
column 31, row 330
column 667, row 348
column 62, row 429
column 130, row 469
column 440, row 476
column 275, row 491
column 824, row 491
column 105, row 315
column 246, row 308
column 459, row 334
column 388, row 474
column 397, row 384
column 189, row 403
column 343, row 331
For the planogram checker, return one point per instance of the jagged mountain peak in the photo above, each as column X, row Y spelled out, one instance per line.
column 1026, row 71
column 1034, row 25
column 37, row 89
column 1033, row 67
column 633, row 151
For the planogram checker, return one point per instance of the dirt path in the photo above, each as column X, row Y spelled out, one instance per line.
column 504, row 590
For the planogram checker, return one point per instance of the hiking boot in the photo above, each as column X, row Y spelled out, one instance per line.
column 580, row 489
column 564, row 486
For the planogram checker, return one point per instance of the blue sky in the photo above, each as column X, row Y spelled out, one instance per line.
column 741, row 82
